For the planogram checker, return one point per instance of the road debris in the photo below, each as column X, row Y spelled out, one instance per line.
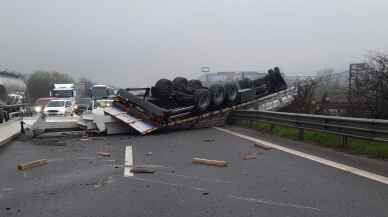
column 103, row 153
column 148, row 154
column 209, row 140
column 249, row 156
column 50, row 142
column 6, row 189
column 96, row 138
column 209, row 162
column 84, row 139
column 109, row 180
column 262, row 146
column 32, row 164
column 142, row 170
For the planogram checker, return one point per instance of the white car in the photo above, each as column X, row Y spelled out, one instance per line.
column 59, row 107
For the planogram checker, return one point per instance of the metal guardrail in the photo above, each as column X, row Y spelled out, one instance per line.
column 370, row 129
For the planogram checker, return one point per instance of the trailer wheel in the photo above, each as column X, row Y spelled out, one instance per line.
column 180, row 84
column 195, row 84
column 201, row 100
column 279, row 78
column 1, row 116
column 230, row 94
column 217, row 94
column 163, row 88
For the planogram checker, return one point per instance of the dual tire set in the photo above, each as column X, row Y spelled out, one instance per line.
column 188, row 93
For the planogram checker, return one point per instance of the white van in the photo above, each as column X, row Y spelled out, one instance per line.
column 62, row 107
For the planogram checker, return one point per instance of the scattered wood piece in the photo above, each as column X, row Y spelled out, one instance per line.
column 103, row 153
column 262, row 146
column 209, row 140
column 142, row 170
column 209, row 162
column 249, row 157
column 148, row 154
column 32, row 164
column 84, row 139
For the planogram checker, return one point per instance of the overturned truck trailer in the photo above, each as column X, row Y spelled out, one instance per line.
column 174, row 103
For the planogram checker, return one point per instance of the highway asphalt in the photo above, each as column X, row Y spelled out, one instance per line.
column 77, row 182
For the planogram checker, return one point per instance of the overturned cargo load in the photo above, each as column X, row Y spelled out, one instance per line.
column 171, row 102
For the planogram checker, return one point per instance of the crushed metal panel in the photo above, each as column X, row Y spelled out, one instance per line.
column 139, row 125
column 117, row 127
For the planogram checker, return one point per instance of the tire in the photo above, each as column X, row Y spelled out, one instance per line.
column 217, row 95
column 195, row 84
column 163, row 88
column 230, row 94
column 180, row 84
column 281, row 84
column 202, row 100
column 271, row 81
column 1, row 117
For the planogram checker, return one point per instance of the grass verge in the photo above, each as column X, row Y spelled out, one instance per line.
column 353, row 146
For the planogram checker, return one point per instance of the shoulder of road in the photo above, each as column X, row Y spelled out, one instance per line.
column 378, row 166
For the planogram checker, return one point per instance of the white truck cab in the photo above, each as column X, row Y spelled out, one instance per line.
column 63, row 91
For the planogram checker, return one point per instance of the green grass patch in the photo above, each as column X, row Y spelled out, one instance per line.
column 354, row 146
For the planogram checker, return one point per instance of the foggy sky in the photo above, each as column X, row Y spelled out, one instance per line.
column 134, row 42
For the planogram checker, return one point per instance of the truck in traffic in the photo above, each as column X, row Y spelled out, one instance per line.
column 12, row 96
column 102, row 95
column 63, row 91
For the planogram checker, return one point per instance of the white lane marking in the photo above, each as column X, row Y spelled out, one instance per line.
column 167, row 183
column 272, row 203
column 340, row 166
column 128, row 163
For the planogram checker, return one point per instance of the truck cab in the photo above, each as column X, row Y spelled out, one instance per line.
column 63, row 91
column 102, row 95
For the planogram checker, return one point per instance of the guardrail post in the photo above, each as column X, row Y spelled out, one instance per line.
column 271, row 127
column 22, row 127
column 229, row 119
column 301, row 134
column 250, row 123
column 344, row 141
